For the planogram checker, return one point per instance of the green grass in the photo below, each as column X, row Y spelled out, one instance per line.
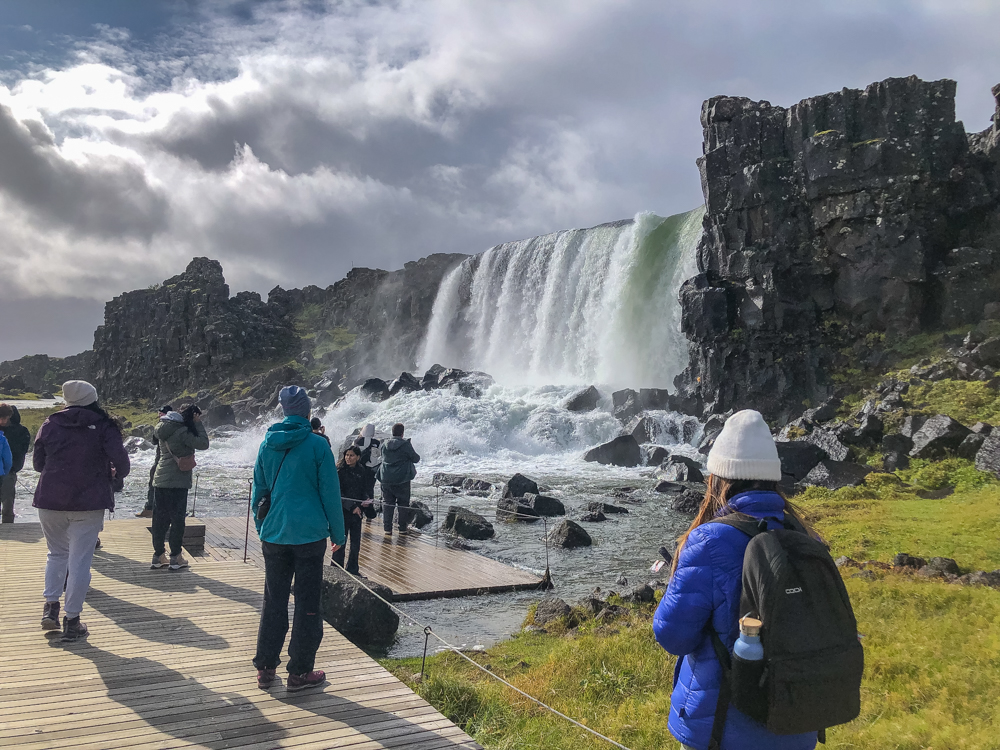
column 965, row 401
column 19, row 396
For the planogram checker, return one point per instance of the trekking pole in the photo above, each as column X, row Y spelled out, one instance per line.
column 246, row 540
column 194, row 504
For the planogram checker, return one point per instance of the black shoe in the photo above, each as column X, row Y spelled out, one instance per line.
column 73, row 630
column 50, row 616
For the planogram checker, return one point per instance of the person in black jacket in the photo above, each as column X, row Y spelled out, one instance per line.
column 19, row 440
column 355, row 498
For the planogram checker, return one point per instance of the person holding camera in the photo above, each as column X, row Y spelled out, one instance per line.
column 297, row 507
column 179, row 434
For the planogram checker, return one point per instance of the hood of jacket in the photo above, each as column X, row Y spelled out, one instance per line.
column 15, row 418
column 393, row 445
column 75, row 416
column 288, row 433
column 166, row 429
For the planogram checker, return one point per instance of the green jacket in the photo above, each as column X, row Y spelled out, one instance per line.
column 181, row 442
column 305, row 499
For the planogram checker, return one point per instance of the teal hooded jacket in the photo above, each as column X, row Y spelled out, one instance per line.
column 305, row 500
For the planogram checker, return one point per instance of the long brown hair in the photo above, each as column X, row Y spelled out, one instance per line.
column 716, row 503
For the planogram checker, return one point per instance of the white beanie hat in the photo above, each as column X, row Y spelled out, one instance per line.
column 79, row 393
column 745, row 449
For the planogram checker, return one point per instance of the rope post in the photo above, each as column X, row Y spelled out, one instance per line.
column 423, row 662
column 194, row 504
column 246, row 540
column 437, row 517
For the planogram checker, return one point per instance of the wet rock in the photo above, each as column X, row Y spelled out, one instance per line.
column 713, row 426
column 405, row 383
column 668, row 487
column 798, row 458
column 688, row 501
column 421, row 514
column 585, row 400
column 514, row 509
column 549, row 609
column 625, row 404
column 836, row 474
column 430, row 379
column 356, row 613
column 544, row 505
column 593, row 517
column 680, row 469
column 136, row 444
column 471, row 484
column 375, row 389
column 903, row 560
column 641, row 428
column 622, row 451
column 327, row 391
column 654, row 455
column 570, row 534
column 219, row 414
column 608, row 508
column 466, row 524
column 441, row 479
column 939, row 435
column 519, row 486
column 654, row 398
column 988, row 457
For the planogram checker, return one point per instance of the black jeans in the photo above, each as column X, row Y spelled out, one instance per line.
column 169, row 510
column 393, row 495
column 352, row 527
column 281, row 563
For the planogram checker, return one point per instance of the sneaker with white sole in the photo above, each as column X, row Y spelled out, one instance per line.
column 50, row 616
column 177, row 562
column 159, row 561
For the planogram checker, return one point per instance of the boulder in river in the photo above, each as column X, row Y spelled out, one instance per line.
column 550, row 608
column 519, row 486
column 641, row 428
column 593, row 517
column 608, row 508
column 625, row 404
column 466, row 524
column 688, row 501
column 471, row 484
column 585, row 400
column 544, row 505
column 355, row 612
column 375, row 389
column 441, row 479
column 622, row 451
column 405, row 383
column 421, row 514
column 220, row 414
column 514, row 509
column 677, row 468
column 570, row 534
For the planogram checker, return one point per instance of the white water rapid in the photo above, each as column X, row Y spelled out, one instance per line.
column 577, row 306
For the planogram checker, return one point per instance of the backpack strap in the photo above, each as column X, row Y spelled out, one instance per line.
column 747, row 524
column 725, row 689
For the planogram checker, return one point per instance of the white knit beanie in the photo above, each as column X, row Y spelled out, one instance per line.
column 79, row 393
column 745, row 449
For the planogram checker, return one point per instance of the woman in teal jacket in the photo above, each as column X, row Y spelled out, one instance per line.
column 296, row 467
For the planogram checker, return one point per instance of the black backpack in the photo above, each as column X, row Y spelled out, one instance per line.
column 810, row 677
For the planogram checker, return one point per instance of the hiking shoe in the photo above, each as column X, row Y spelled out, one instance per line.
column 159, row 561
column 145, row 513
column 73, row 630
column 98, row 545
column 177, row 562
column 50, row 616
column 264, row 678
column 298, row 682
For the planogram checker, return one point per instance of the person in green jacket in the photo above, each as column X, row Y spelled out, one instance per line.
column 180, row 434
column 295, row 480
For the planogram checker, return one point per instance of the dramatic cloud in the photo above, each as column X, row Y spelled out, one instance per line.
column 291, row 140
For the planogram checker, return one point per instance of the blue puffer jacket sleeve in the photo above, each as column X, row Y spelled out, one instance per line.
column 686, row 607
column 6, row 458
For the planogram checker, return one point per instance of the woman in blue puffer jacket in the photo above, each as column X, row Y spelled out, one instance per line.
column 704, row 590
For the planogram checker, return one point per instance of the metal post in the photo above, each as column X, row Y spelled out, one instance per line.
column 427, row 636
column 194, row 505
column 246, row 540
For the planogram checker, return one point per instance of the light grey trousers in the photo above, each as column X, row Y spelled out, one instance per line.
column 71, row 536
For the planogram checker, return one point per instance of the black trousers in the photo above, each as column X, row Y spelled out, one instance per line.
column 352, row 527
column 396, row 495
column 282, row 562
column 169, row 509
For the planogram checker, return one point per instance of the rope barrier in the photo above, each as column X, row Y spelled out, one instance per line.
column 429, row 633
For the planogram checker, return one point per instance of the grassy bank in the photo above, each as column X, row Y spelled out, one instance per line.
column 932, row 648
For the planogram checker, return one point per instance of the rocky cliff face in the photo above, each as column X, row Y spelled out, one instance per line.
column 40, row 372
column 832, row 227
column 185, row 334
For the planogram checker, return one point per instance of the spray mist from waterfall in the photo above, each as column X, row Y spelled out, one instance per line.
column 582, row 305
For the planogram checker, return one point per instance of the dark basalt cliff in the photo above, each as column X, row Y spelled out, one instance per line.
column 832, row 228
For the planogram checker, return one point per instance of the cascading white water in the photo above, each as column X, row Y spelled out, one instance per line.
column 582, row 305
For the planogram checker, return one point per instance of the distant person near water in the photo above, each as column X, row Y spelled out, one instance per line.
column 356, row 500
column 394, row 474
column 79, row 454
column 180, row 434
column 147, row 510
column 296, row 506
column 18, row 440
column 319, row 429
column 371, row 458
column 726, row 596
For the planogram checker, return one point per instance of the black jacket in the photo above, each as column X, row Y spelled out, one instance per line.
column 19, row 439
column 353, row 485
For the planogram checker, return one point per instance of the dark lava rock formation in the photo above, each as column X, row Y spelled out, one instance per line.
column 843, row 221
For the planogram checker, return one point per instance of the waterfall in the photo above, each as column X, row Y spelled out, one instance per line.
column 577, row 306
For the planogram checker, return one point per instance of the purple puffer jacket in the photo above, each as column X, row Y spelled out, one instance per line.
column 74, row 451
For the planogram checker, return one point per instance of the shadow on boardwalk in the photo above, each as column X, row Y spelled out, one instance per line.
column 153, row 625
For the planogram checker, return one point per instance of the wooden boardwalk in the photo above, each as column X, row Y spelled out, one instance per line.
column 167, row 664
column 412, row 566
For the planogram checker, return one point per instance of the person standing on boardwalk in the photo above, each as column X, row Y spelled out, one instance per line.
column 147, row 510
column 19, row 440
column 394, row 474
column 78, row 453
column 354, row 496
column 371, row 457
column 296, row 506
column 180, row 434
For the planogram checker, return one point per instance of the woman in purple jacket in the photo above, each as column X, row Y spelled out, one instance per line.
column 704, row 589
column 77, row 452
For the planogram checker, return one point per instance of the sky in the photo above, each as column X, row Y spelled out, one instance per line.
column 293, row 140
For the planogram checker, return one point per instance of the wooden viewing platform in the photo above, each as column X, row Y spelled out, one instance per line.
column 167, row 664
